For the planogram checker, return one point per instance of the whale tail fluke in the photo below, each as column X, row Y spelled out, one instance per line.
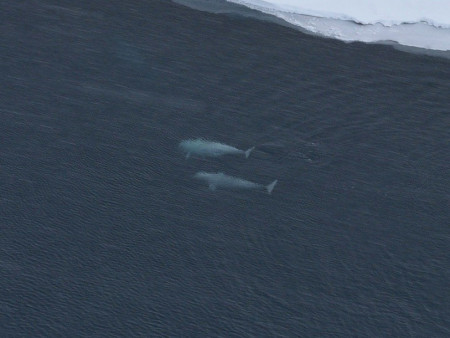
column 270, row 187
column 248, row 151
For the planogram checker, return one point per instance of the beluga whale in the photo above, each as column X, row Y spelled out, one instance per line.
column 201, row 147
column 221, row 180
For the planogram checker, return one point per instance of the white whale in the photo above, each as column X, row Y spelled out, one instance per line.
column 202, row 147
column 220, row 180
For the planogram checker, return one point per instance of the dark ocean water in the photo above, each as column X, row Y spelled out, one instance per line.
column 104, row 233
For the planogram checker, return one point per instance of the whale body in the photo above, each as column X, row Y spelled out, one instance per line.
column 221, row 180
column 206, row 148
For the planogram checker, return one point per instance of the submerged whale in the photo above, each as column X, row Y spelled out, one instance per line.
column 202, row 147
column 220, row 180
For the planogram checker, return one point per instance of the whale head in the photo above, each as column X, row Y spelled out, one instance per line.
column 209, row 177
column 202, row 175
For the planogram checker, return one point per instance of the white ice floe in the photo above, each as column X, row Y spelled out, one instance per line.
column 416, row 23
